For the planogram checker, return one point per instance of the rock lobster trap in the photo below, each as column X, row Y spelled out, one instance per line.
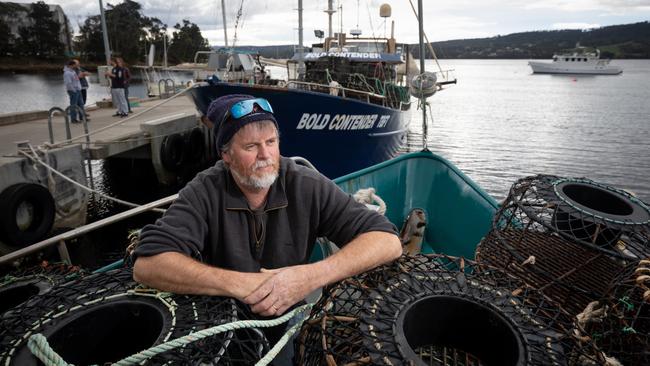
column 620, row 323
column 435, row 310
column 107, row 317
column 567, row 237
column 18, row 286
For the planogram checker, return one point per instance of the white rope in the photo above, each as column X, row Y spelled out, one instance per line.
column 35, row 159
column 368, row 196
column 594, row 312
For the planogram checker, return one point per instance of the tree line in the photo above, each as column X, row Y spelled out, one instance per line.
column 130, row 34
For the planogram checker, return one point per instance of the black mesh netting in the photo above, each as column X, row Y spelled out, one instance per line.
column 620, row 323
column 107, row 317
column 566, row 237
column 19, row 285
column 437, row 310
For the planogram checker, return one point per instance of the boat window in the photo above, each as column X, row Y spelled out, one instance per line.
column 584, row 59
column 573, row 59
column 566, row 59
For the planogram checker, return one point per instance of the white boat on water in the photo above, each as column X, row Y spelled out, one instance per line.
column 576, row 63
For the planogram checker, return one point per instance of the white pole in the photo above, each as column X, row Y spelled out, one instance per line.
column 107, row 48
column 225, row 28
column 301, row 63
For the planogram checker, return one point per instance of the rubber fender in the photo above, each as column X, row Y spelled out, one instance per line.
column 25, row 199
column 172, row 152
column 194, row 146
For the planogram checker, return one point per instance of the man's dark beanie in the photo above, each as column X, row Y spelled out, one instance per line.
column 225, row 130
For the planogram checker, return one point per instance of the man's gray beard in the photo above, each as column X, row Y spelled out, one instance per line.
column 254, row 182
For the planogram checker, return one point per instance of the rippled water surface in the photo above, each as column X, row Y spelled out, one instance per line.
column 501, row 123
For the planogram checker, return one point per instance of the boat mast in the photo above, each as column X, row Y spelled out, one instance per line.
column 301, row 63
column 330, row 11
column 423, row 99
column 107, row 48
column 225, row 29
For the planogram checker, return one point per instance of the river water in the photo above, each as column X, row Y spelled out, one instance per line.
column 501, row 123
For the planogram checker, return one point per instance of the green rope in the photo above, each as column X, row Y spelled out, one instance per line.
column 40, row 348
column 285, row 338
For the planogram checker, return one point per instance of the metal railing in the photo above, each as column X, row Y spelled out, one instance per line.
column 309, row 86
column 59, row 240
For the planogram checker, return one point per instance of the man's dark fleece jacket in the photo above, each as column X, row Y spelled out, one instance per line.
column 212, row 222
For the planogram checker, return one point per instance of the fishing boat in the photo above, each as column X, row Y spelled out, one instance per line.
column 347, row 110
column 579, row 62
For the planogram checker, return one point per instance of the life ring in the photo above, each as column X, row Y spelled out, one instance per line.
column 194, row 146
column 419, row 309
column 106, row 317
column 27, row 214
column 172, row 152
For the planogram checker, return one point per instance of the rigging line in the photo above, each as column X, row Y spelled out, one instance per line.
column 372, row 27
column 433, row 53
column 35, row 159
column 239, row 14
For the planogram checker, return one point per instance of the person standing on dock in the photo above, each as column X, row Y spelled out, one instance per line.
column 245, row 228
column 73, row 88
column 82, row 73
column 127, row 81
column 117, row 89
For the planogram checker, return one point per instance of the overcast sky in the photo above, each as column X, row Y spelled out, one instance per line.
column 266, row 22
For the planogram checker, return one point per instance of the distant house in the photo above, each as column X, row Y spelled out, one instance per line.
column 16, row 15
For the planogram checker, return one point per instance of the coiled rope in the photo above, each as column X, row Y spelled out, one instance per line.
column 368, row 196
column 40, row 348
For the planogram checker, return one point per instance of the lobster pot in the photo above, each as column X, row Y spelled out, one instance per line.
column 620, row 324
column 566, row 237
column 18, row 286
column 435, row 310
column 104, row 318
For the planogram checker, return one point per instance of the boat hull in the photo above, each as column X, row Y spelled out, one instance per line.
column 336, row 134
column 586, row 69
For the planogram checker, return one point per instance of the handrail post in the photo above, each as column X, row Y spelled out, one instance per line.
column 63, row 252
column 49, row 123
column 88, row 158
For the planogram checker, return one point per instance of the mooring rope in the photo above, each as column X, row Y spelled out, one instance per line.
column 40, row 348
column 367, row 195
column 35, row 159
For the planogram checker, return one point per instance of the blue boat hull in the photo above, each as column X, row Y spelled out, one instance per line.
column 337, row 135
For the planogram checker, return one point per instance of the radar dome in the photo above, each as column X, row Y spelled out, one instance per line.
column 384, row 11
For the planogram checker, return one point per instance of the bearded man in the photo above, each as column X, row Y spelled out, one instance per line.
column 245, row 228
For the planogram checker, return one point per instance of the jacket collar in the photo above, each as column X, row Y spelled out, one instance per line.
column 276, row 198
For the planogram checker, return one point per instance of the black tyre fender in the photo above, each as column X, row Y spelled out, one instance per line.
column 172, row 152
column 39, row 206
column 106, row 317
column 194, row 146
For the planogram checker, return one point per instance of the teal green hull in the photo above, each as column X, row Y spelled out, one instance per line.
column 459, row 213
